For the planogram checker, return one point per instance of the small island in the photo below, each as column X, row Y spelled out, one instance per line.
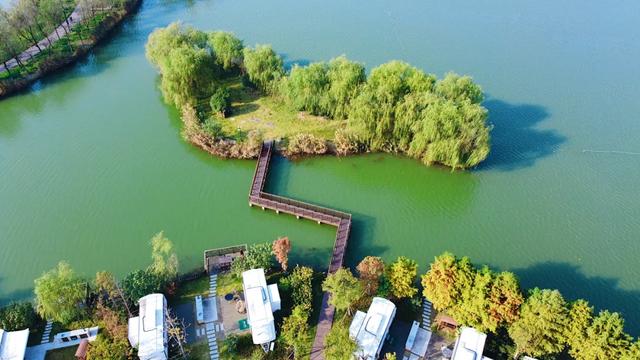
column 233, row 97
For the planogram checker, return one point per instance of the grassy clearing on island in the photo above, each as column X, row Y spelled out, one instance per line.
column 251, row 110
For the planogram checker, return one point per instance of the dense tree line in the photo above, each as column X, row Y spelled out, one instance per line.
column 542, row 323
column 28, row 22
column 75, row 302
column 397, row 108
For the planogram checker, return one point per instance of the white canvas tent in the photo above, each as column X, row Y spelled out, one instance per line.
column 370, row 329
column 148, row 332
column 13, row 344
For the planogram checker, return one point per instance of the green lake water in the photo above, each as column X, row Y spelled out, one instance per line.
column 92, row 163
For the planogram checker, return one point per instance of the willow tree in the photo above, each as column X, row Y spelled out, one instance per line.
column 373, row 111
column 305, row 89
column 459, row 88
column 59, row 294
column 227, row 49
column 263, row 67
column 452, row 134
column 345, row 79
column 164, row 259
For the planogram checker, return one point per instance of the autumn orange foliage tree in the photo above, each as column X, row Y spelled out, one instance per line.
column 281, row 248
column 370, row 269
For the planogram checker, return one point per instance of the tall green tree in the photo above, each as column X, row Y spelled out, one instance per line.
column 580, row 318
column 445, row 280
column 306, row 88
column 605, row 338
column 401, row 276
column 140, row 283
column 263, row 67
column 338, row 344
column 295, row 332
column 59, row 294
column 300, row 283
column 344, row 288
column 227, row 49
column 473, row 307
column 541, row 328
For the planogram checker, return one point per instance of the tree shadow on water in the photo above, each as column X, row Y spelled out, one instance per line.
column 602, row 293
column 516, row 142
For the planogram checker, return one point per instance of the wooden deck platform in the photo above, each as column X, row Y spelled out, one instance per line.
column 322, row 215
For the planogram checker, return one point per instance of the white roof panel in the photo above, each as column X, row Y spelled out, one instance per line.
column 151, row 335
column 259, row 311
column 13, row 344
column 469, row 345
column 373, row 328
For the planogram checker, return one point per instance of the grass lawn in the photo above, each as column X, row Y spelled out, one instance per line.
column 227, row 283
column 188, row 290
column 62, row 354
column 252, row 111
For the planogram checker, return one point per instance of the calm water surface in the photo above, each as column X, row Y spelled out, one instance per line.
column 92, row 163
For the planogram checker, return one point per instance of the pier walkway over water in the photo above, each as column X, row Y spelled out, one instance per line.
column 300, row 209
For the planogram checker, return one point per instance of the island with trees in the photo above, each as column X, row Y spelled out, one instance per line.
column 232, row 97
column 38, row 37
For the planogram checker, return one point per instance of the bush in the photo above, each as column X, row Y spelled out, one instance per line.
column 140, row 283
column 212, row 128
column 346, row 142
column 219, row 101
column 306, row 144
column 17, row 316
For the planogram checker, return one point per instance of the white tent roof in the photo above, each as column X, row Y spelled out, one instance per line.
column 369, row 330
column 469, row 345
column 258, row 301
column 147, row 331
column 13, row 344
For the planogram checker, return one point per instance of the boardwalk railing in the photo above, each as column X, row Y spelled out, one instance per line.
column 300, row 209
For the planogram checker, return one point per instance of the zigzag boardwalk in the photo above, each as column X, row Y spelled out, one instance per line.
column 308, row 211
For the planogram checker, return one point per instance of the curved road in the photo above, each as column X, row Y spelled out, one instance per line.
column 74, row 19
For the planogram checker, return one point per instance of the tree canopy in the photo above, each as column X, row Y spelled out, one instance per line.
column 263, row 67
column 344, row 288
column 401, row 276
column 338, row 344
column 541, row 328
column 59, row 294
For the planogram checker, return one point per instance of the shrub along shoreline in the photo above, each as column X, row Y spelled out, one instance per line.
column 68, row 49
column 330, row 107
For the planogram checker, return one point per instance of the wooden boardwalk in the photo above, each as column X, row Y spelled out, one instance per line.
column 300, row 209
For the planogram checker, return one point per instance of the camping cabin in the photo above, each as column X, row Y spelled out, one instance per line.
column 370, row 329
column 260, row 301
column 148, row 332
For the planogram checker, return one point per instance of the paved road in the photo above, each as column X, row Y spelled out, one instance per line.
column 24, row 57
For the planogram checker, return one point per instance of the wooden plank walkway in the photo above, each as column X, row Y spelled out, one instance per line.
column 321, row 215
